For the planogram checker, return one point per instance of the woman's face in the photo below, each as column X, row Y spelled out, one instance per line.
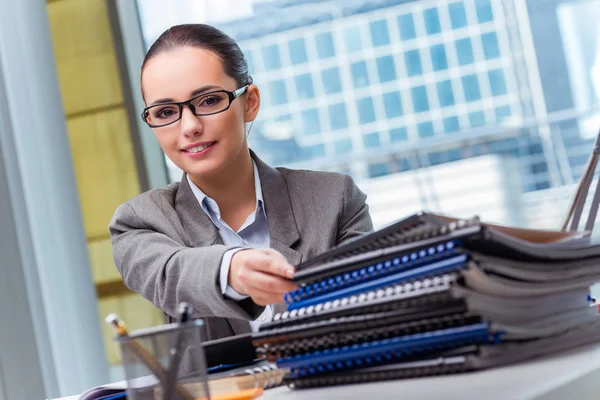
column 180, row 74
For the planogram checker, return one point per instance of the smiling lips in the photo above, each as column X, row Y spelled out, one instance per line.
column 199, row 149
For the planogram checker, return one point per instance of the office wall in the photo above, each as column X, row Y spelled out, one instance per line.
column 101, row 144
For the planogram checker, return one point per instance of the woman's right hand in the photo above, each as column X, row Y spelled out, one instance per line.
column 262, row 274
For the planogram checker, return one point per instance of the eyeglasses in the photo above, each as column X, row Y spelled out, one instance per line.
column 164, row 114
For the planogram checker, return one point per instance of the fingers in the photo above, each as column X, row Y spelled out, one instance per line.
column 270, row 261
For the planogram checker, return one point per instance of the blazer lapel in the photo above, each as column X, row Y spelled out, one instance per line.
column 283, row 230
column 199, row 227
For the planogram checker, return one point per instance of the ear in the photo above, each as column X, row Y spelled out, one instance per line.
column 252, row 103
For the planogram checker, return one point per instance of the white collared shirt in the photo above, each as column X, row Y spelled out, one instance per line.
column 254, row 233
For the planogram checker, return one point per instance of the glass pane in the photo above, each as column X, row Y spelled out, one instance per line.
column 445, row 93
column 310, row 122
column 477, row 119
column 413, row 63
column 360, row 76
column 250, row 61
column 352, row 39
column 491, row 48
column 406, row 25
column 420, row 99
column 471, row 88
column 497, row 82
column 304, row 86
column 425, row 129
column 277, row 92
column 298, row 51
column 386, row 69
column 464, row 51
column 451, row 124
column 331, row 80
column 378, row 169
column 325, row 47
column 432, row 21
column 484, row 11
column 502, row 112
column 271, row 57
column 458, row 16
column 313, row 152
column 379, row 32
column 371, row 140
column 392, row 104
column 343, row 146
column 337, row 116
column 398, row 135
column 438, row 57
column 366, row 110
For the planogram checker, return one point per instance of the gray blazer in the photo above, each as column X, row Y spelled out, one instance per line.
column 168, row 250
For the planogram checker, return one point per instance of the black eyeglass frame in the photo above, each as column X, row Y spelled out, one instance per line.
column 231, row 95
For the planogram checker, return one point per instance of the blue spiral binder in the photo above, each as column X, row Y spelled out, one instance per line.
column 387, row 350
column 378, row 270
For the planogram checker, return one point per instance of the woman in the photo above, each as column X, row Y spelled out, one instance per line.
column 226, row 237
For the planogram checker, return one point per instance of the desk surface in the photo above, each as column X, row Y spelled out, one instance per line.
column 574, row 375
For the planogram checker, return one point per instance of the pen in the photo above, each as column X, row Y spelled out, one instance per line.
column 184, row 312
column 145, row 356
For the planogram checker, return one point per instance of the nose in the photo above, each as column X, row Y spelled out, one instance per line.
column 191, row 125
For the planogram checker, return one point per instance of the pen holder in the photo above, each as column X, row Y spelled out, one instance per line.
column 165, row 362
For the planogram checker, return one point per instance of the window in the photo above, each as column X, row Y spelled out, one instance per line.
column 502, row 112
column 420, row 99
column 371, row 140
column 271, row 57
column 497, row 82
column 471, row 88
column 445, row 93
column 438, row 57
column 298, row 51
column 310, row 122
column 484, row 11
column 406, row 26
column 338, row 118
column 392, row 104
column 451, row 125
column 425, row 129
column 360, row 77
column 477, row 119
column 304, row 87
column 250, row 61
column 366, row 110
column 432, row 21
column 386, row 69
column 378, row 169
column 331, row 80
column 278, row 93
column 413, row 63
column 491, row 48
column 325, row 48
column 398, row 135
column 464, row 51
column 352, row 39
column 379, row 33
column 458, row 16
column 312, row 152
column 343, row 146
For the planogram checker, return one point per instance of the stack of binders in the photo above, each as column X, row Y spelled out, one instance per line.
column 434, row 295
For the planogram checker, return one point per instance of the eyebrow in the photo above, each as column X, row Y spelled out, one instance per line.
column 194, row 93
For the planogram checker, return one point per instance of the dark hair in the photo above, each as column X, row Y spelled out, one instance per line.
column 205, row 37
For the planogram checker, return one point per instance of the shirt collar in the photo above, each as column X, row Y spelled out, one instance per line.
column 209, row 205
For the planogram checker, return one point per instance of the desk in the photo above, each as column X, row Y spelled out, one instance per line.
column 573, row 375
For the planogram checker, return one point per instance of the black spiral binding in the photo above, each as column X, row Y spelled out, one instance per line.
column 412, row 229
column 443, row 366
column 382, row 329
column 426, row 291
